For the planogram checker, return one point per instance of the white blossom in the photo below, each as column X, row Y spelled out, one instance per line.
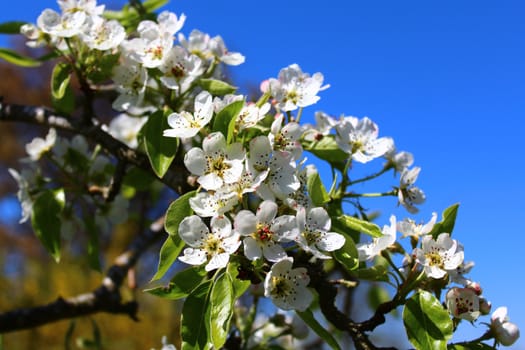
column 101, row 34
column 264, row 230
column 126, row 128
column 187, row 124
column 206, row 47
column 314, row 232
column 286, row 286
column 38, row 146
column 293, row 88
column 213, row 247
column 285, row 139
column 439, row 256
column 463, row 303
column 505, row 332
column 367, row 251
column 408, row 227
column 216, row 163
column 130, row 79
column 180, row 69
column 359, row 138
column 408, row 194
column 24, row 181
column 208, row 204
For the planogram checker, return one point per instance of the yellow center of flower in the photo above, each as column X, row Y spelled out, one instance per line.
column 262, row 233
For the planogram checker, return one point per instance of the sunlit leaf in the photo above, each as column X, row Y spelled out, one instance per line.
column 225, row 120
column 177, row 211
column 427, row 323
column 12, row 27
column 15, row 58
column 160, row 150
column 217, row 87
column 360, row 225
column 169, row 252
column 316, row 190
column 347, row 255
column 309, row 318
column 195, row 332
column 181, row 285
column 46, row 221
column 222, row 300
column 447, row 222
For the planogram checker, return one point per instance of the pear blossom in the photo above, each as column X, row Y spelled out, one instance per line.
column 314, row 232
column 408, row 227
column 38, row 146
column 439, row 256
column 293, row 88
column 285, row 139
column 103, row 35
column 185, row 124
column 34, row 34
column 180, row 69
column 130, row 79
column 358, row 137
column 408, row 194
column 208, row 204
column 126, row 128
column 264, row 230
column 155, row 39
column 206, row 47
column 457, row 275
column 251, row 114
column 220, row 103
column 90, row 7
column 323, row 126
column 213, row 248
column 463, row 303
column 400, row 161
column 287, row 287
column 260, row 152
column 24, row 179
column 216, row 163
column 367, row 251
column 64, row 25
column 301, row 198
column 505, row 332
column 282, row 180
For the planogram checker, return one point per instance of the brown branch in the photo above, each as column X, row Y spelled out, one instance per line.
column 175, row 177
column 105, row 298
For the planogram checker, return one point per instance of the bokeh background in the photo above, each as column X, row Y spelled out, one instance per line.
column 445, row 79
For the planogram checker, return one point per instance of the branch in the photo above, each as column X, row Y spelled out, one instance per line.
column 105, row 298
column 174, row 178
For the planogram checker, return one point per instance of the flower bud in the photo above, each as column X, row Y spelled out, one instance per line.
column 505, row 332
column 484, row 306
column 475, row 287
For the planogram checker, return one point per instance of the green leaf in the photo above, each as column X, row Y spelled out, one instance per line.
column 195, row 332
column 470, row 346
column 239, row 286
column 347, row 255
column 100, row 68
column 217, row 87
column 316, row 190
column 427, row 323
column 308, row 318
column 152, row 5
column 360, row 225
column 15, row 58
column 138, row 179
column 447, row 223
column 60, row 80
column 177, row 211
column 169, row 252
column 225, row 120
column 46, row 221
column 377, row 272
column 181, row 285
column 12, row 27
column 222, row 299
column 327, row 149
column 160, row 150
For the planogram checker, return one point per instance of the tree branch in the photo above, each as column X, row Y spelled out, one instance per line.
column 106, row 298
column 175, row 178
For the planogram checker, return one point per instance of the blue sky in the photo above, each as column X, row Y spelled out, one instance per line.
column 445, row 79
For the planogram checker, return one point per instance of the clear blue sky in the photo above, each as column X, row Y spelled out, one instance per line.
column 445, row 79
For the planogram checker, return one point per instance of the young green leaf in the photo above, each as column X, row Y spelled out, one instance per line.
column 18, row 59
column 45, row 219
column 195, row 324
column 169, row 252
column 12, row 27
column 217, row 87
column 427, row 323
column 447, row 223
column 239, row 286
column 308, row 318
column 60, row 80
column 177, row 211
column 225, row 120
column 347, row 255
column 181, row 285
column 360, row 225
column 377, row 272
column 222, row 299
column 160, row 150
column 327, row 149
column 316, row 190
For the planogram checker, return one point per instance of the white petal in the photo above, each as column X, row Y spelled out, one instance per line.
column 195, row 161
